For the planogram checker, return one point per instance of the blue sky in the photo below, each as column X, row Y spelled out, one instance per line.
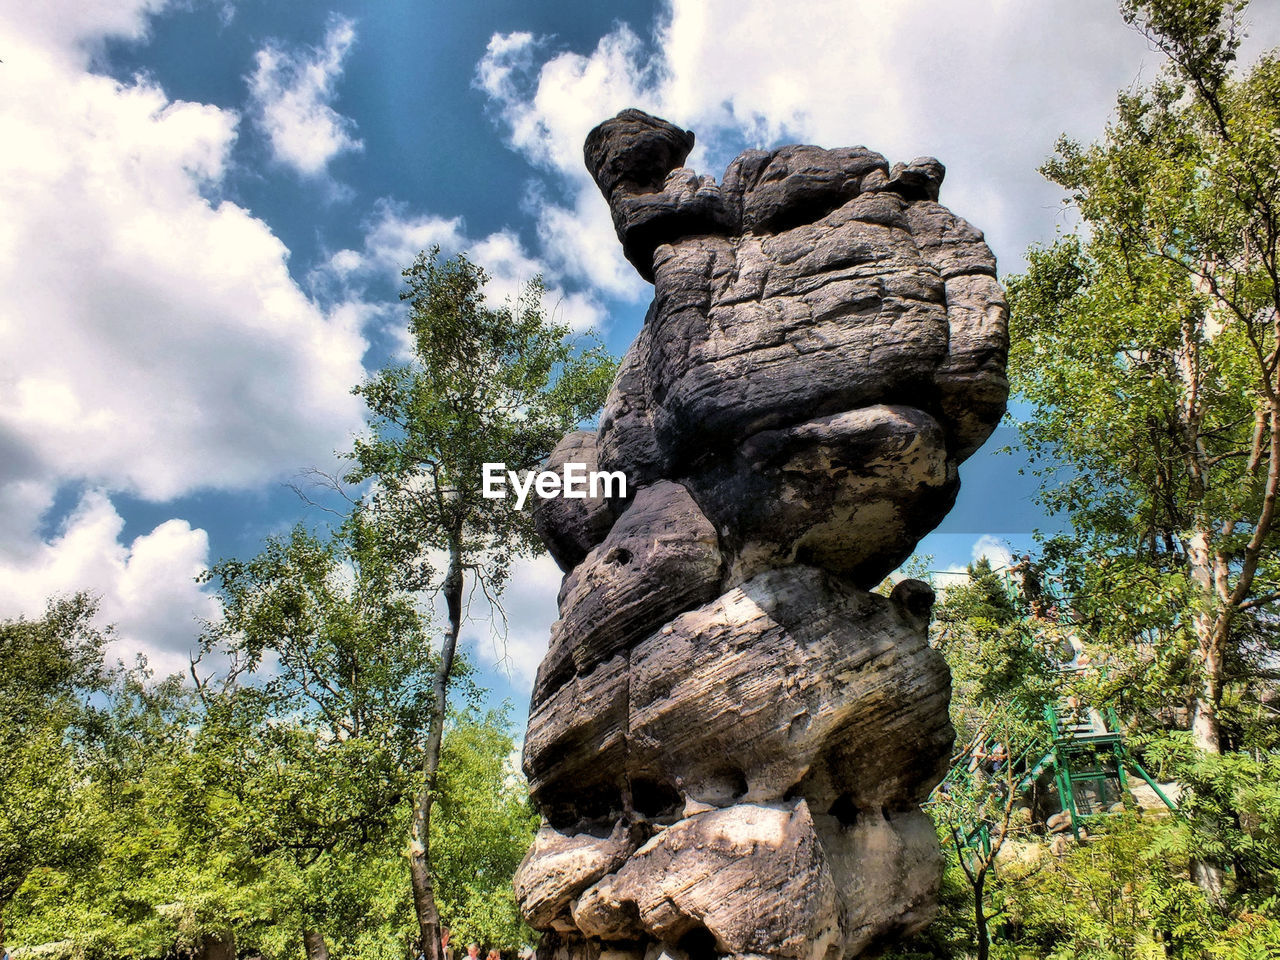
column 207, row 204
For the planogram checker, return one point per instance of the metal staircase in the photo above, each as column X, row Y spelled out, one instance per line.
column 1088, row 753
column 1089, row 759
column 1081, row 743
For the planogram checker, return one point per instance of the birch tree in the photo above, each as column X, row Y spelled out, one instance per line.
column 483, row 384
column 1146, row 344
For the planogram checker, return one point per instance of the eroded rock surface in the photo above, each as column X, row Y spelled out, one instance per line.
column 730, row 736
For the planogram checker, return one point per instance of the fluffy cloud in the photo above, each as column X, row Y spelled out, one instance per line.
column 69, row 30
column 291, row 92
column 547, row 109
column 995, row 550
column 983, row 84
column 579, row 242
column 394, row 236
column 147, row 587
column 517, row 645
column 152, row 338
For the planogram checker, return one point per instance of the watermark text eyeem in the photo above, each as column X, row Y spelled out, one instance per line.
column 574, row 482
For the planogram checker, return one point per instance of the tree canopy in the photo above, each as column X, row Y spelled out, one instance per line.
column 1146, row 344
column 49, row 668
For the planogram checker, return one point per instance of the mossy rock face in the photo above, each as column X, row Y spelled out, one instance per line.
column 730, row 735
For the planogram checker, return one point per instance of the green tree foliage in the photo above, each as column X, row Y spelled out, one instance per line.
column 1001, row 678
column 327, row 660
column 485, row 384
column 158, row 879
column 1146, row 345
column 1114, row 898
column 482, row 829
column 183, row 859
column 1125, row 892
column 997, row 660
column 266, row 806
column 313, row 727
column 48, row 670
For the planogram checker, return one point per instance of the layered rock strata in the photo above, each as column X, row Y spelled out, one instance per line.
column 730, row 735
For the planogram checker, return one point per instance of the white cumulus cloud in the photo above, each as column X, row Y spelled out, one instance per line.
column 985, row 85
column 291, row 92
column 70, row 30
column 147, row 587
column 547, row 109
column 394, row 236
column 152, row 340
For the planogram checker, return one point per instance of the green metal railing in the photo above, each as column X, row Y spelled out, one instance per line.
column 1083, row 745
column 1090, row 749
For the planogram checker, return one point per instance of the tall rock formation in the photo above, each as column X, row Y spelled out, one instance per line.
column 730, row 736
